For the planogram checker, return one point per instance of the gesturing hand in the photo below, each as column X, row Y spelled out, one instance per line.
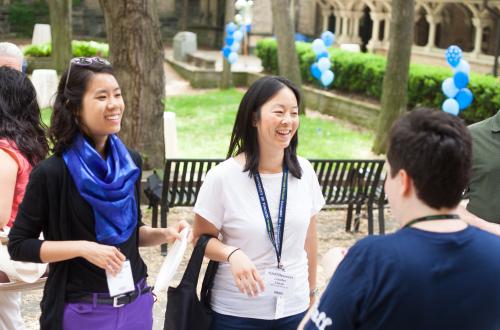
column 246, row 276
column 103, row 256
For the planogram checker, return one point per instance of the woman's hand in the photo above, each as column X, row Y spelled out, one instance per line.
column 173, row 233
column 103, row 256
column 246, row 276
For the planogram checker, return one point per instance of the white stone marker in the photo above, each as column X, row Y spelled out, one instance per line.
column 45, row 82
column 41, row 34
column 350, row 48
column 170, row 134
column 184, row 43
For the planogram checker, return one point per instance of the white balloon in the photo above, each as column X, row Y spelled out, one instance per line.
column 232, row 58
column 239, row 4
column 463, row 66
column 324, row 64
column 235, row 47
column 238, row 35
column 238, row 19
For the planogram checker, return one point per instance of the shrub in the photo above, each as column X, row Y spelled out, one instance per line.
column 79, row 49
column 364, row 73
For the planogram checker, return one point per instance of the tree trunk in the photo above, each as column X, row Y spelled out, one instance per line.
column 184, row 15
column 288, row 61
column 395, row 85
column 226, row 78
column 61, row 31
column 136, row 52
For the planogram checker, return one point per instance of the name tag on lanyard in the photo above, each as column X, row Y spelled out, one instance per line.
column 276, row 238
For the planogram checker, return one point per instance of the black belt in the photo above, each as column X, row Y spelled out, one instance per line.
column 117, row 301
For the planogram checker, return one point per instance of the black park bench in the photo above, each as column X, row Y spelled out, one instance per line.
column 354, row 183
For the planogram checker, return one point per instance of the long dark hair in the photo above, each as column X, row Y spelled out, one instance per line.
column 65, row 122
column 244, row 136
column 20, row 119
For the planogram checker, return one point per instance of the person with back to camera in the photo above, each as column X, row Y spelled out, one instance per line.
column 85, row 200
column 263, row 201
column 436, row 272
column 22, row 146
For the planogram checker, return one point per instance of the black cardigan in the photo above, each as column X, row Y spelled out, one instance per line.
column 52, row 205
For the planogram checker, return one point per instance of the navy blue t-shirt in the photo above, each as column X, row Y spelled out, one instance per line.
column 415, row 279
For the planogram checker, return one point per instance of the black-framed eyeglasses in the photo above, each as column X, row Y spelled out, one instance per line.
column 84, row 61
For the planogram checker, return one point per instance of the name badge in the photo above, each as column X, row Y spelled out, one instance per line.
column 122, row 282
column 278, row 282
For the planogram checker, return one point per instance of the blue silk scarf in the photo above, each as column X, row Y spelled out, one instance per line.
column 107, row 185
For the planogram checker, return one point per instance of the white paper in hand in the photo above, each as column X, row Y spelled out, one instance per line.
column 171, row 262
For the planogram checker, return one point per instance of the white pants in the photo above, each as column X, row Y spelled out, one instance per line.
column 10, row 311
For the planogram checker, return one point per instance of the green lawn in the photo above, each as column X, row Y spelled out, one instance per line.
column 205, row 121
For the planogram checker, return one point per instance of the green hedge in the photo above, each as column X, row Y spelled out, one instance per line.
column 364, row 73
column 79, row 49
column 23, row 14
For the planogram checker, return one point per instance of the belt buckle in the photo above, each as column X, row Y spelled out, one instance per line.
column 115, row 300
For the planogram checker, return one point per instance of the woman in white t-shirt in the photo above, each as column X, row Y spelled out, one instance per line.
column 262, row 204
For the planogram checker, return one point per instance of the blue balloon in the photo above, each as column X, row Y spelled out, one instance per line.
column 226, row 51
column 315, row 71
column 232, row 58
column 318, row 46
column 462, row 66
column 461, row 79
column 324, row 54
column 453, row 55
column 248, row 27
column 464, row 98
column 328, row 38
column 327, row 78
column 451, row 106
column 449, row 88
column 231, row 28
column 324, row 64
column 229, row 40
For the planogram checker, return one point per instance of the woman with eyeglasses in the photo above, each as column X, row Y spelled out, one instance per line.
column 262, row 201
column 22, row 146
column 85, row 200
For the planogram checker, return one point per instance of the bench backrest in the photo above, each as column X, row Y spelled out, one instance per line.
column 341, row 181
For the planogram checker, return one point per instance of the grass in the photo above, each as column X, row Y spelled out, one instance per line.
column 205, row 121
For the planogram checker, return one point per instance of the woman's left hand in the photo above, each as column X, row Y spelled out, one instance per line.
column 173, row 233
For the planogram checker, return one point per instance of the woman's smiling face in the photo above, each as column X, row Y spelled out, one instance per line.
column 102, row 106
column 278, row 120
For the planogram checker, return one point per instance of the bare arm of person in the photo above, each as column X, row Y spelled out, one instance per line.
column 149, row 236
column 8, row 175
column 104, row 256
column 246, row 276
column 311, row 247
column 476, row 221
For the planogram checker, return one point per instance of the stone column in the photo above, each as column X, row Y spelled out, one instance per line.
column 345, row 27
column 387, row 28
column 433, row 22
column 326, row 15
column 356, row 16
column 478, row 36
column 338, row 19
column 374, row 42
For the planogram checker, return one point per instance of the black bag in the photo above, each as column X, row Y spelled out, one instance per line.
column 184, row 310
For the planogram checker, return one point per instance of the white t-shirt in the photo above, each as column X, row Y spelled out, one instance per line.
column 229, row 200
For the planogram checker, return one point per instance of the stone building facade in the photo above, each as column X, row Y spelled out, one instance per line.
column 438, row 24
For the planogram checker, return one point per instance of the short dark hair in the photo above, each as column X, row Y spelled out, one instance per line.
column 20, row 118
column 435, row 149
column 65, row 122
column 244, row 135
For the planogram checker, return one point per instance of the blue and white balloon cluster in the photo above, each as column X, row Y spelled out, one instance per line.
column 232, row 42
column 459, row 97
column 321, row 68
